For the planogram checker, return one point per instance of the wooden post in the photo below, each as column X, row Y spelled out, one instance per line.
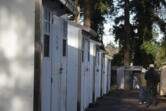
column 37, row 57
column 77, row 18
column 87, row 13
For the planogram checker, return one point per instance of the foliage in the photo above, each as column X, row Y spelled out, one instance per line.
column 143, row 15
column 160, row 56
column 150, row 47
column 144, row 50
column 99, row 9
column 118, row 59
column 155, row 50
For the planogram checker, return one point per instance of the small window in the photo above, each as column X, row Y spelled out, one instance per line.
column 88, row 56
column 98, row 57
column 45, row 13
column 64, row 47
column 82, row 56
column 88, row 51
column 46, row 45
column 83, row 44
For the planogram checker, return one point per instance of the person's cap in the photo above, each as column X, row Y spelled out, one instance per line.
column 151, row 66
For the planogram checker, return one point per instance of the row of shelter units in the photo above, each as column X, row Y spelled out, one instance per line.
column 127, row 77
column 76, row 70
column 48, row 63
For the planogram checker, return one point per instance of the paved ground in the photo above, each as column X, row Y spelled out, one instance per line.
column 125, row 101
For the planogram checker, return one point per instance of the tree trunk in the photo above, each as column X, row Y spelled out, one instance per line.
column 87, row 13
column 77, row 18
column 127, row 35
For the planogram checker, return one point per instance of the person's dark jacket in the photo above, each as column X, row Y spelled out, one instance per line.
column 152, row 77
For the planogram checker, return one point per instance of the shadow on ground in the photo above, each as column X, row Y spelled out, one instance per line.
column 119, row 100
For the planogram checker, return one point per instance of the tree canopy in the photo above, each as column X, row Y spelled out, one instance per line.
column 144, row 14
column 134, row 29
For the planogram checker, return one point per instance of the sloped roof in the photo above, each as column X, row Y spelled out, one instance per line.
column 70, row 5
column 84, row 28
column 90, row 32
column 62, row 6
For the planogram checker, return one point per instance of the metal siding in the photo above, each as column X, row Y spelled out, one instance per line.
column 109, row 76
column 105, row 76
column 162, row 81
column 98, row 75
column 72, row 72
column 120, row 77
column 46, row 74
column 92, row 58
column 94, row 74
column 17, row 55
column 79, row 88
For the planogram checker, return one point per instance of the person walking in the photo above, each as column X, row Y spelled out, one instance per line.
column 152, row 78
column 142, row 87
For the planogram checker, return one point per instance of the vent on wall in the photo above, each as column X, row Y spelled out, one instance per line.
column 46, row 45
column 64, row 47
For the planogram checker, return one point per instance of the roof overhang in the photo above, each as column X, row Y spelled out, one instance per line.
column 133, row 68
column 84, row 29
column 110, row 58
column 96, row 42
column 62, row 6
column 70, row 5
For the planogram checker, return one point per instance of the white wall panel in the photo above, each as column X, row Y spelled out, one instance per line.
column 16, row 55
column 72, row 72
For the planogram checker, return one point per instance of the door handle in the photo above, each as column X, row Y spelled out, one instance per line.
column 87, row 69
column 60, row 70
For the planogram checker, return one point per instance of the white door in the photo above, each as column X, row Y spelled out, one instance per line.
column 106, row 77
column 85, row 74
column 58, row 77
column 46, row 66
column 102, row 74
column 87, row 70
column 97, row 76
column 109, row 77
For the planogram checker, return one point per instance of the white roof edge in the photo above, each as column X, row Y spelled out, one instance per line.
column 70, row 5
column 84, row 28
column 96, row 42
column 108, row 57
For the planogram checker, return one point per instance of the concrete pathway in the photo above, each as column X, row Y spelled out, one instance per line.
column 125, row 101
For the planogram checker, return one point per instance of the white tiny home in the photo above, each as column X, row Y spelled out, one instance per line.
column 24, row 30
column 102, row 77
column 93, row 51
column 86, row 69
column 106, row 75
column 120, row 77
column 80, row 73
column 98, row 73
column 74, row 37
column 109, row 76
column 162, row 81
column 127, row 77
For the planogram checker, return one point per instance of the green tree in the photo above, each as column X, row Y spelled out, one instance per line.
column 145, row 17
column 77, row 18
column 127, row 34
column 94, row 12
column 122, row 29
